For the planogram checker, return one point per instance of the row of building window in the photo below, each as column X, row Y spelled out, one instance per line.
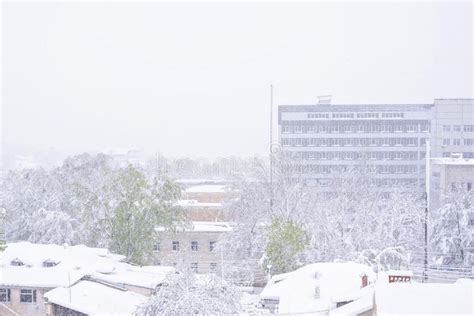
column 356, row 128
column 356, row 155
column 458, row 128
column 175, row 245
column 26, row 295
column 460, row 186
column 464, row 154
column 457, row 141
column 323, row 169
column 355, row 115
column 46, row 264
column 469, row 141
column 194, row 267
column 377, row 182
column 352, row 142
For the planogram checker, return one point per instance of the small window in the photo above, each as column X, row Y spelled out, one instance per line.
column 175, row 245
column 157, row 247
column 213, row 267
column 194, row 246
column 27, row 296
column 17, row 262
column 446, row 128
column 4, row 295
column 49, row 263
column 212, row 245
column 194, row 267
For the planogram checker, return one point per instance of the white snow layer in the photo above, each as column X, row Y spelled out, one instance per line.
column 96, row 299
column 425, row 298
column 336, row 282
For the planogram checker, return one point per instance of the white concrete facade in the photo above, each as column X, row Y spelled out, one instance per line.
column 325, row 138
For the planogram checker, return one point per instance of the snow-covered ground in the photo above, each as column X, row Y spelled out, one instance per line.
column 425, row 298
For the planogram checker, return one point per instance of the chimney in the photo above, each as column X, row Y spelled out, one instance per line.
column 324, row 99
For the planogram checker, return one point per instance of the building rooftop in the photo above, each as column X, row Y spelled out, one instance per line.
column 207, row 188
column 452, row 161
column 197, row 204
column 71, row 257
column 296, row 290
column 354, row 107
column 47, row 266
column 201, row 226
column 146, row 277
column 93, row 298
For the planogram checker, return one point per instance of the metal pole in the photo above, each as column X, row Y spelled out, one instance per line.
column 427, row 205
column 69, row 280
column 271, row 149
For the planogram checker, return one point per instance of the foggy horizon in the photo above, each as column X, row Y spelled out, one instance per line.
column 194, row 79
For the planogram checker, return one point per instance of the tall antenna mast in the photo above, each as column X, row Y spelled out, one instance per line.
column 271, row 149
column 427, row 207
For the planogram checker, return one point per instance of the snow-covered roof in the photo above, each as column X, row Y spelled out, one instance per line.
column 197, row 204
column 424, row 298
column 200, row 181
column 34, row 255
column 358, row 306
column 452, row 161
column 73, row 263
column 39, row 277
column 400, row 272
column 203, row 227
column 96, row 299
column 207, row 188
column 147, row 277
column 211, row 227
column 296, row 290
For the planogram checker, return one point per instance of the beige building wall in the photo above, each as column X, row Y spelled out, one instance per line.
column 202, row 260
column 34, row 309
column 447, row 173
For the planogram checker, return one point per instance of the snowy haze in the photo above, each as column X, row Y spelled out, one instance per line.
column 193, row 79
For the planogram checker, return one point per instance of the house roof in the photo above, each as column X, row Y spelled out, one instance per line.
column 453, row 161
column 207, row 188
column 364, row 303
column 93, row 298
column 39, row 277
column 197, row 204
column 354, row 107
column 73, row 263
column 296, row 290
column 33, row 255
column 202, row 226
column 147, row 277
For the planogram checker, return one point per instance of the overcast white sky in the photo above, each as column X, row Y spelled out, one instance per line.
column 193, row 79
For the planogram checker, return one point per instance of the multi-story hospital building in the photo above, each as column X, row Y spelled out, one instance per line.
column 327, row 138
